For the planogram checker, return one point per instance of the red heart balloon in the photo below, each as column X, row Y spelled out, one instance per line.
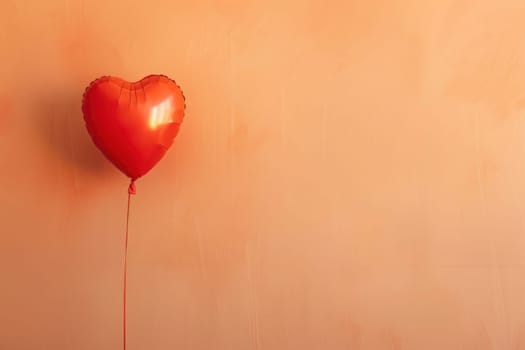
column 133, row 124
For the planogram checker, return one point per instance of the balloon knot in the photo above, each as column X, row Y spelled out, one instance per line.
column 131, row 188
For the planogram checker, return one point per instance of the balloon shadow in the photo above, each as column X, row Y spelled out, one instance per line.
column 61, row 128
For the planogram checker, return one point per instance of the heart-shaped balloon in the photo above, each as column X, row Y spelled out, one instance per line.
column 133, row 124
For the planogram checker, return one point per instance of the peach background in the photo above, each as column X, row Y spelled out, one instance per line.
column 350, row 175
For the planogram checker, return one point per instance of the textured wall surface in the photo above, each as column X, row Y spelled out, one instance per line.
column 349, row 175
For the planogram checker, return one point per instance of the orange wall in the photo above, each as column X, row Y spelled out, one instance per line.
column 350, row 175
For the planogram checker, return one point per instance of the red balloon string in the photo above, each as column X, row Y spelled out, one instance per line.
column 131, row 190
